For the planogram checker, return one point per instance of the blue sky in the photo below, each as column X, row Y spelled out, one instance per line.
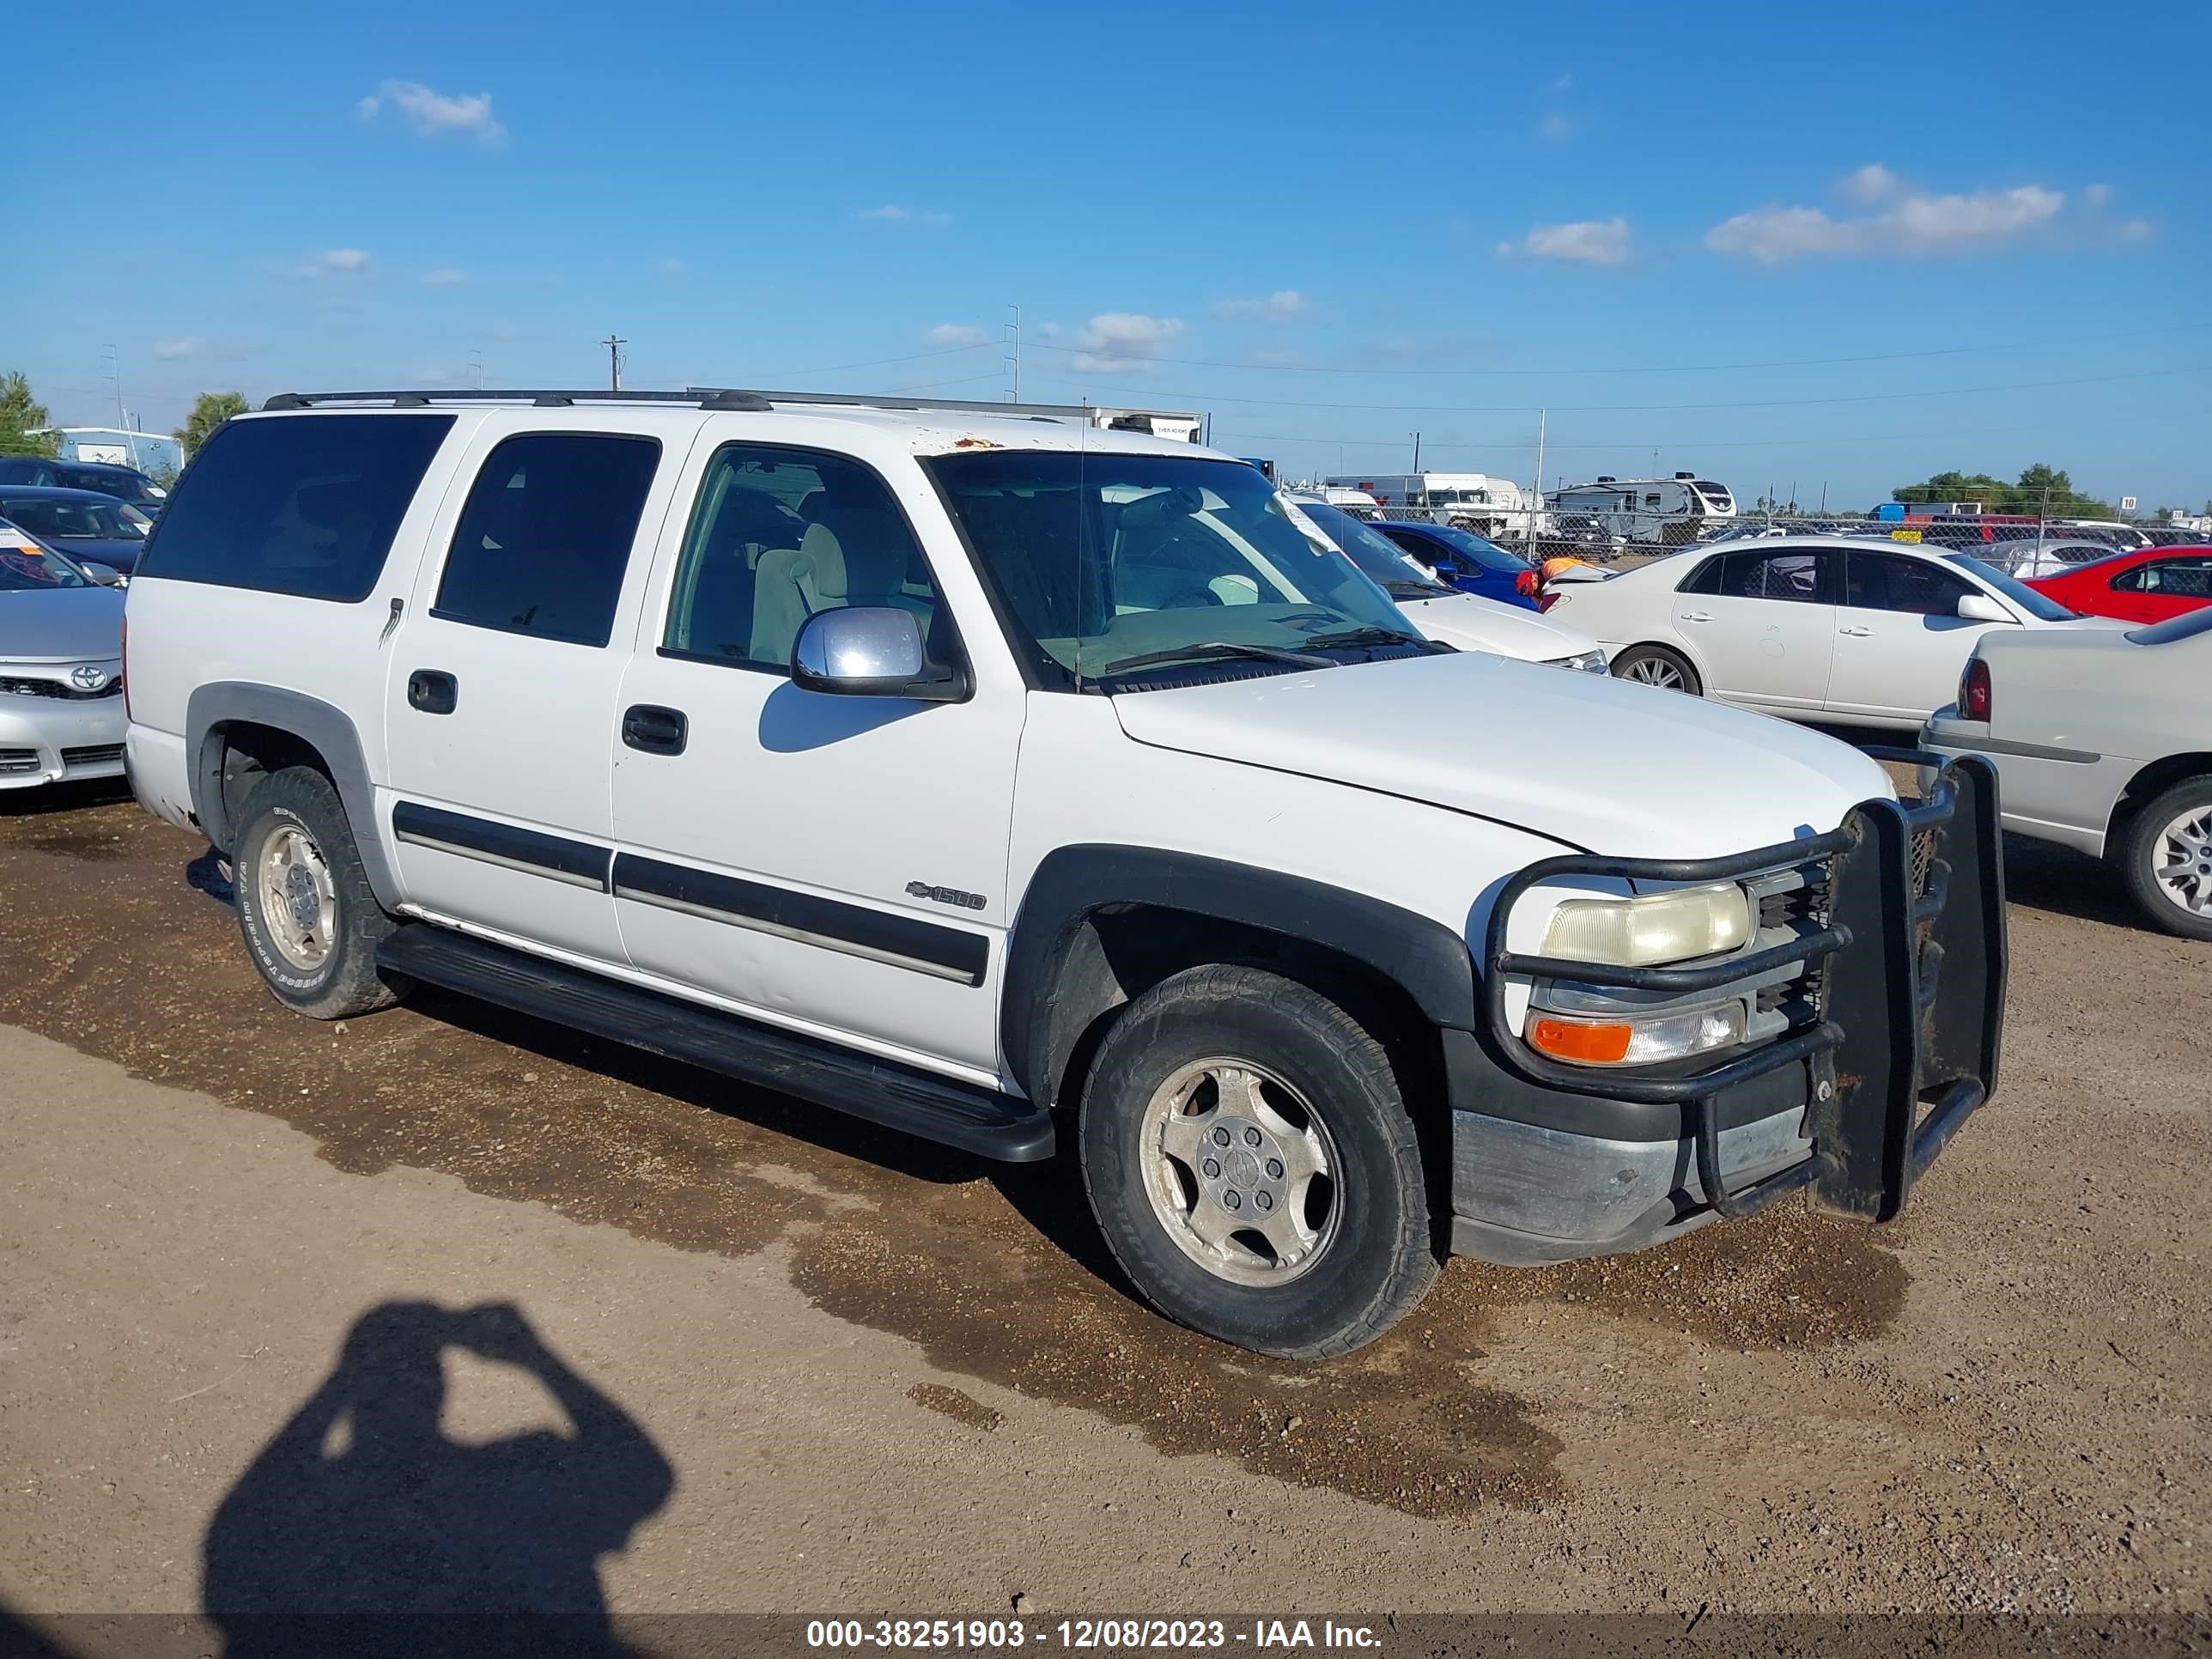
column 1326, row 225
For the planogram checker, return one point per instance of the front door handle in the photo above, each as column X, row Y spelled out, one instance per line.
column 431, row 691
column 1857, row 633
column 655, row 730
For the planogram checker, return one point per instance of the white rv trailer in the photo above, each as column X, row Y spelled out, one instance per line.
column 1473, row 500
column 1648, row 512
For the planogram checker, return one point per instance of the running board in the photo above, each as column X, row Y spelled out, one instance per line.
column 984, row 1121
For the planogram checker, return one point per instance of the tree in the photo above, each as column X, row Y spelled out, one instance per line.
column 22, row 414
column 209, row 412
column 2040, row 486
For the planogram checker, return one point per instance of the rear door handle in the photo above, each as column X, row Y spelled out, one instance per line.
column 431, row 691
column 1695, row 616
column 1857, row 633
column 655, row 730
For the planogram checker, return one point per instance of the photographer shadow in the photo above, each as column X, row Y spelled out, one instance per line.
column 362, row 1527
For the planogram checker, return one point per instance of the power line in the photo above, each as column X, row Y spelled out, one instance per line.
column 1671, row 369
column 873, row 363
column 1637, row 409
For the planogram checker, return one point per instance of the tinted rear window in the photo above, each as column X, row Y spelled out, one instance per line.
column 305, row 505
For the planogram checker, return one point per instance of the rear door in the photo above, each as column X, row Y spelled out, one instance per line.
column 1900, row 642
column 2159, row 588
column 1761, row 624
column 499, row 707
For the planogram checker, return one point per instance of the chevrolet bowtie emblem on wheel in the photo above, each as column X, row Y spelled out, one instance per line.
column 89, row 678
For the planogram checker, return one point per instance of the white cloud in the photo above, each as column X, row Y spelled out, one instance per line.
column 1869, row 184
column 171, row 351
column 332, row 262
column 1555, row 129
column 445, row 277
column 1914, row 222
column 956, row 334
column 1563, row 81
column 892, row 213
column 2096, row 196
column 1115, row 341
column 2136, row 230
column 1279, row 307
column 672, row 267
column 434, row 114
column 1588, row 241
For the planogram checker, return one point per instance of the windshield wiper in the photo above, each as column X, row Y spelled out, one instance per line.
column 1219, row 648
column 1416, row 590
column 1364, row 634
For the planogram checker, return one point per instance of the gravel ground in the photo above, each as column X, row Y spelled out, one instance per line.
column 881, row 1373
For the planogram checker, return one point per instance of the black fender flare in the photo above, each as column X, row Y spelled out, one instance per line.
column 1426, row 959
column 323, row 726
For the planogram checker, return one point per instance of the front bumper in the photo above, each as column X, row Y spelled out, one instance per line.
column 1906, row 959
column 52, row 739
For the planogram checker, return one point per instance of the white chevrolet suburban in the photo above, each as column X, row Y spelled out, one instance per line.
column 1037, row 788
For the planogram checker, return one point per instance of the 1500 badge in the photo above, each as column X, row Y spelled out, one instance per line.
column 952, row 896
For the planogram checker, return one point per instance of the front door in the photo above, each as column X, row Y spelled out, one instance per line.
column 833, row 864
column 1900, row 642
column 504, row 672
column 1761, row 626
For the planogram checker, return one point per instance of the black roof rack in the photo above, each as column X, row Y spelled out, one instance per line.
column 719, row 398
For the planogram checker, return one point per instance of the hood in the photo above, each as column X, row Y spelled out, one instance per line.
column 1510, row 631
column 1589, row 761
column 65, row 624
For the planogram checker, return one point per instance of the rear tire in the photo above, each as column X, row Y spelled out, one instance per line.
column 2166, row 854
column 311, row 922
column 1248, row 1153
column 1656, row 666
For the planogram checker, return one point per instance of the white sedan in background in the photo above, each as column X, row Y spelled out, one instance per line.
column 1856, row 631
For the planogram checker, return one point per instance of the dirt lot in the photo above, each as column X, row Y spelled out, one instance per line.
column 844, row 1372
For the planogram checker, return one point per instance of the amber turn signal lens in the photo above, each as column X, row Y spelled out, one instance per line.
column 1575, row 1039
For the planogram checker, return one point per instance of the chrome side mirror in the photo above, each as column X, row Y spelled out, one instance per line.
column 871, row 651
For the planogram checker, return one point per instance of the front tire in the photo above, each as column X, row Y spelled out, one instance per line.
column 1656, row 666
column 2166, row 854
column 1248, row 1153
column 311, row 924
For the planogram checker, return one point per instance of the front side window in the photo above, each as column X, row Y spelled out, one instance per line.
column 545, row 535
column 1883, row 582
column 1096, row 559
column 1793, row 575
column 778, row 535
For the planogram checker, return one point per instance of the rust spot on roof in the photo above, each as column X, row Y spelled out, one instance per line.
column 973, row 443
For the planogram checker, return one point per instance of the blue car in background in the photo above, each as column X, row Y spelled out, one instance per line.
column 1466, row 560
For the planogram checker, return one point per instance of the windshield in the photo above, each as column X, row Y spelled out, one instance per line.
column 1097, row 558
column 26, row 566
column 123, row 486
column 69, row 518
column 1400, row 575
column 2041, row 607
column 2186, row 626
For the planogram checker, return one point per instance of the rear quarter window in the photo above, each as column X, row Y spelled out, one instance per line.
column 307, row 505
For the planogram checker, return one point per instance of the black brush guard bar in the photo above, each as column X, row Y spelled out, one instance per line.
column 1911, row 1002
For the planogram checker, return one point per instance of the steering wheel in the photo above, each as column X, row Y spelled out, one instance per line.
column 1191, row 599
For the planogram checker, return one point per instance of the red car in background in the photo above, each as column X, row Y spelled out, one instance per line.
column 2146, row 586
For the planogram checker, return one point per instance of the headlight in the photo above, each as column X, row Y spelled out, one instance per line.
column 1634, row 1041
column 1589, row 662
column 1635, row 932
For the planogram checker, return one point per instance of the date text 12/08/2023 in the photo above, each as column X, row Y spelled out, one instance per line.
column 1083, row 1635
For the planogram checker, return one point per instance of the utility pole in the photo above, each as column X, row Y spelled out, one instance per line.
column 115, row 373
column 478, row 365
column 1536, row 497
column 613, row 343
column 1015, row 328
column 1417, row 454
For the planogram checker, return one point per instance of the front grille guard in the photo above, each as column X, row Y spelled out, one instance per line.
column 1910, row 959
